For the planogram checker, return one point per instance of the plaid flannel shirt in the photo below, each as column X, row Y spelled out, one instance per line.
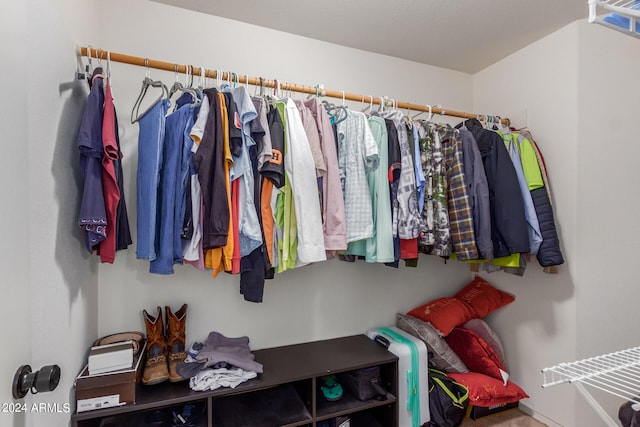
column 460, row 214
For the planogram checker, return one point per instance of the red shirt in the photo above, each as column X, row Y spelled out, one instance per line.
column 110, row 188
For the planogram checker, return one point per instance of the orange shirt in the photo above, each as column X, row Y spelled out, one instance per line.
column 219, row 259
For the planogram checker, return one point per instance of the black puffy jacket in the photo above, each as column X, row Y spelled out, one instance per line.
column 549, row 253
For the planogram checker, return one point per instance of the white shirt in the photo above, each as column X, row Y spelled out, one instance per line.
column 301, row 172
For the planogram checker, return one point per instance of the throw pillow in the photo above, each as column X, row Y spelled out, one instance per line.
column 487, row 391
column 443, row 313
column 481, row 328
column 477, row 354
column 442, row 356
column 483, row 298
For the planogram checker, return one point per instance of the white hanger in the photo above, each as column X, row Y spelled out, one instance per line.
column 430, row 116
column 370, row 107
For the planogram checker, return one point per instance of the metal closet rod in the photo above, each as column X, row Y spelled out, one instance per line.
column 258, row 81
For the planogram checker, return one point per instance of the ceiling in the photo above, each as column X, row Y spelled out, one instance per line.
column 463, row 35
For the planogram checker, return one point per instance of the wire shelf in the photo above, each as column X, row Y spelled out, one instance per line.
column 615, row 373
column 620, row 15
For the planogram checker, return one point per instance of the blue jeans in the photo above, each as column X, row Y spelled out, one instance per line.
column 150, row 142
column 171, row 192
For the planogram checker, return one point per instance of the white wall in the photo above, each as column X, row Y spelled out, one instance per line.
column 607, row 208
column 14, row 223
column 319, row 301
column 49, row 285
column 537, row 84
column 578, row 87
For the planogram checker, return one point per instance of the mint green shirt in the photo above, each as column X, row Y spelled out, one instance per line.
column 379, row 247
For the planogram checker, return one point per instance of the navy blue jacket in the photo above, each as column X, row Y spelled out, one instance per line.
column 508, row 223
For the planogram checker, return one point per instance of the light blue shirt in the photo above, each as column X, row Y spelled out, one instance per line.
column 420, row 179
column 248, row 223
column 535, row 236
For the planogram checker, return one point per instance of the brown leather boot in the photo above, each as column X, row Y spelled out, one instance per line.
column 176, row 323
column 155, row 368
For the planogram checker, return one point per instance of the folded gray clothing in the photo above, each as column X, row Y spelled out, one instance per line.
column 219, row 349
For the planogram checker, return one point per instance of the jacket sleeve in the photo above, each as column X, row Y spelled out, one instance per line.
column 549, row 253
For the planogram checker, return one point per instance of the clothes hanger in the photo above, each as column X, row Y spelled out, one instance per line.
column 197, row 89
column 430, row 116
column 179, row 87
column 146, row 83
column 370, row 106
column 203, row 79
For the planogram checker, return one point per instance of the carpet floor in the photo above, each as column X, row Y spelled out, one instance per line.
column 509, row 418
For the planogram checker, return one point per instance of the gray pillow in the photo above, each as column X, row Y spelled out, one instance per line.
column 442, row 356
column 481, row 328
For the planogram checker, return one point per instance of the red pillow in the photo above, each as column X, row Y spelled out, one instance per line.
column 444, row 314
column 487, row 391
column 483, row 298
column 477, row 354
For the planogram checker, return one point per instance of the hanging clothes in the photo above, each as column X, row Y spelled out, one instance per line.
column 533, row 227
column 508, row 223
column 250, row 233
column 460, row 215
column 92, row 218
column 123, row 232
column 192, row 252
column 171, row 190
column 272, row 175
column 220, row 258
column 357, row 154
column 408, row 217
column 150, row 144
column 333, row 211
column 255, row 267
column 421, row 181
column 549, row 253
column 394, row 168
column 110, row 189
column 300, row 168
column 435, row 235
column 379, row 247
column 478, row 191
column 284, row 208
column 264, row 147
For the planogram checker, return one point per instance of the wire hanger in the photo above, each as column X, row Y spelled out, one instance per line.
column 146, row 83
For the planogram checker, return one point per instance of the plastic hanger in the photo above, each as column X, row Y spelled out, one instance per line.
column 370, row 106
column 340, row 114
column 179, row 87
column 203, row 79
column 421, row 112
column 146, row 83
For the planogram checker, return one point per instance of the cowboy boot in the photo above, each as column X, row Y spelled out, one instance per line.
column 155, row 368
column 176, row 323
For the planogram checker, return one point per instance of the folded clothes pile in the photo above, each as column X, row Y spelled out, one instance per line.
column 219, row 362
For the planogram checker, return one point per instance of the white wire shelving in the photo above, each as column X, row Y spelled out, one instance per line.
column 620, row 15
column 614, row 373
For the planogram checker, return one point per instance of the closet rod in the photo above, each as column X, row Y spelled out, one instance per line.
column 257, row 81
